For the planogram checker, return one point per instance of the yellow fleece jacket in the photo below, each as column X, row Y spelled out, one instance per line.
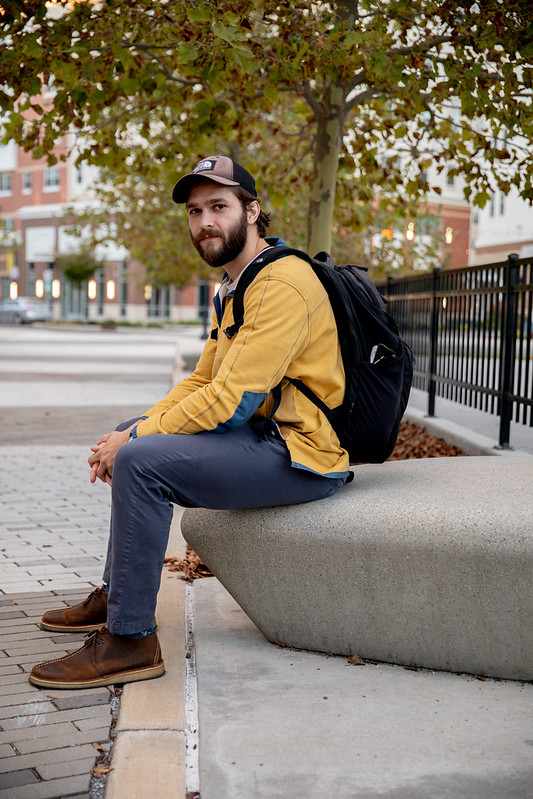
column 289, row 330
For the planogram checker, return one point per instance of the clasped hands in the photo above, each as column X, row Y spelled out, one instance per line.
column 104, row 452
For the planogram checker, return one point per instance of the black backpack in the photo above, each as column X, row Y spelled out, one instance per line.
column 378, row 364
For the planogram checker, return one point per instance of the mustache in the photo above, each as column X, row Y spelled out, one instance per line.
column 207, row 234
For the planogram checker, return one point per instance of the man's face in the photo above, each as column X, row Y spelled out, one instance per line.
column 218, row 223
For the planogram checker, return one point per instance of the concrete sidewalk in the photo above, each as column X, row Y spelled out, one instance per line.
column 277, row 722
column 236, row 716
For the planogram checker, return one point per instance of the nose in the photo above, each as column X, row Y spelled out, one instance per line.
column 205, row 219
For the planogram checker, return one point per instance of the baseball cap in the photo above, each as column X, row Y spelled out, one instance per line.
column 219, row 168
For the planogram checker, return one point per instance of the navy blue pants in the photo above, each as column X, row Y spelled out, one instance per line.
column 235, row 469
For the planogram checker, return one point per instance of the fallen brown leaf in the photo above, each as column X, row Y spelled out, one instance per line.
column 99, row 771
column 356, row 660
column 191, row 566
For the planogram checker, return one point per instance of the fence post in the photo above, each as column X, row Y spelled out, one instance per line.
column 433, row 342
column 507, row 351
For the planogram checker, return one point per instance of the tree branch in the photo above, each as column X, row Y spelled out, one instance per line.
column 356, row 81
column 361, row 98
column 349, row 11
column 307, row 92
column 116, row 117
column 423, row 47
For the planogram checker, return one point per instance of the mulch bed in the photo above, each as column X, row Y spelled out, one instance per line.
column 413, row 442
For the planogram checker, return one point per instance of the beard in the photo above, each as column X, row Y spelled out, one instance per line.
column 232, row 243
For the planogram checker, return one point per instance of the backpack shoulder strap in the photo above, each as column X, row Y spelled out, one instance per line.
column 250, row 273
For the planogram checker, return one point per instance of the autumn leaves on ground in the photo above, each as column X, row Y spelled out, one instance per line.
column 413, row 442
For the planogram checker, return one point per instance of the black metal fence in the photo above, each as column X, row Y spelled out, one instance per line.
column 471, row 331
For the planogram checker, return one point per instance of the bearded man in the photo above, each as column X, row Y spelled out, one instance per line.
column 220, row 438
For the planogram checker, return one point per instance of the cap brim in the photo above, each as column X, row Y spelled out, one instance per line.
column 180, row 193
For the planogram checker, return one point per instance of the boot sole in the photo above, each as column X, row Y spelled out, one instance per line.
column 120, row 677
column 87, row 628
column 61, row 628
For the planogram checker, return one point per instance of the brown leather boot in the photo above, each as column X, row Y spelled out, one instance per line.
column 104, row 660
column 89, row 615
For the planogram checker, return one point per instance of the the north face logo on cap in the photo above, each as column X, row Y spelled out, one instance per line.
column 204, row 165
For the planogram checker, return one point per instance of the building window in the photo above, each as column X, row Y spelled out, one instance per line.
column 100, row 289
column 450, row 180
column 26, row 182
column 51, row 178
column 123, row 288
column 502, row 203
column 79, row 174
column 429, row 225
column 31, row 281
column 158, row 301
column 5, row 182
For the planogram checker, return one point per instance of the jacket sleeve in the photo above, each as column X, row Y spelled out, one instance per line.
column 275, row 331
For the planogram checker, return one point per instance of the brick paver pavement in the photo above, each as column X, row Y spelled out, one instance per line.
column 54, row 531
column 47, row 738
column 59, row 390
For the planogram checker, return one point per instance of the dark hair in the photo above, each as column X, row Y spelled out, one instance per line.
column 263, row 220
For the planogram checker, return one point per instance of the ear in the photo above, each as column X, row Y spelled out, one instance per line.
column 252, row 211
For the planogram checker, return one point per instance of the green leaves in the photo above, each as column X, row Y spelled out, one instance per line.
column 78, row 266
column 200, row 14
column 227, row 33
column 33, row 48
column 366, row 92
column 187, row 53
column 245, row 60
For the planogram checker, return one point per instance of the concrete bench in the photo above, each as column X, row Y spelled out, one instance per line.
column 423, row 563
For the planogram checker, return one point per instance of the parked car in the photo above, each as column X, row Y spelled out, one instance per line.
column 24, row 310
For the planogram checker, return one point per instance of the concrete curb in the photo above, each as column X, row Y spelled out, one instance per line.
column 470, row 442
column 149, row 752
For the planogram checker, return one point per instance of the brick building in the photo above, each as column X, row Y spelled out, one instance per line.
column 33, row 198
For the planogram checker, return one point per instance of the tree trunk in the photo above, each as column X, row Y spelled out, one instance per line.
column 330, row 128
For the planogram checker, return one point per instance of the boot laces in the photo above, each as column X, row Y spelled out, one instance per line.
column 96, row 637
column 96, row 594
